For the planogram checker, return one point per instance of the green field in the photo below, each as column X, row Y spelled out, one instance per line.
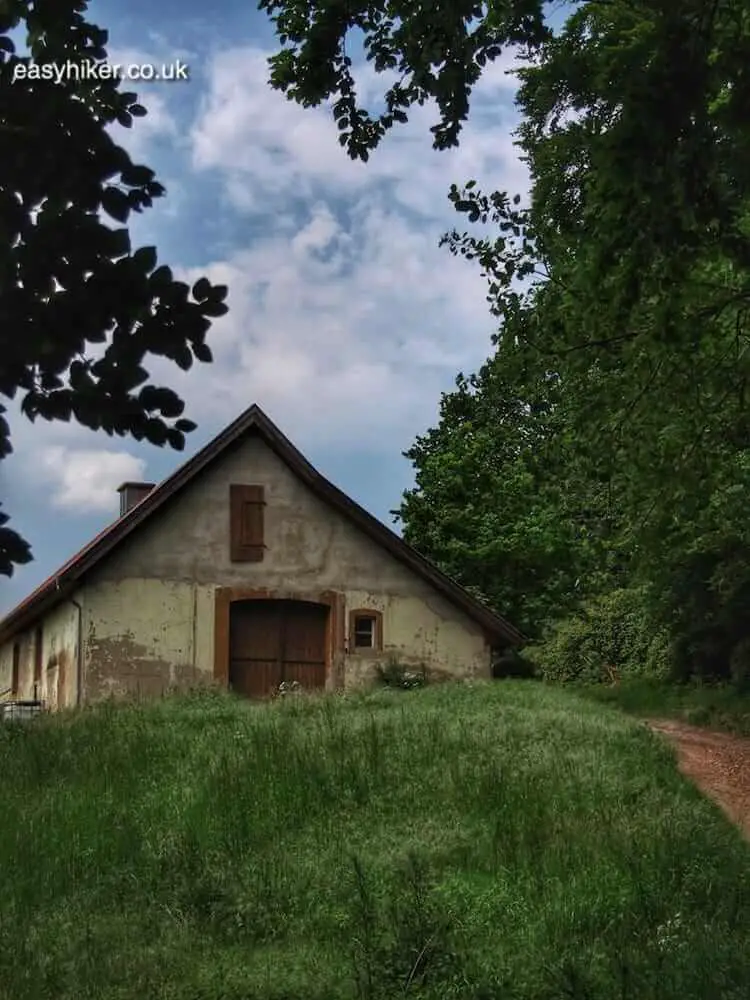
column 484, row 841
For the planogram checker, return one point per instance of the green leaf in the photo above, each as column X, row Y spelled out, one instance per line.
column 145, row 258
column 161, row 278
column 201, row 289
column 137, row 176
column 119, row 241
column 214, row 309
column 203, row 353
column 115, row 203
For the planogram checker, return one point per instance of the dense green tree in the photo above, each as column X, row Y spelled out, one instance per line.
column 499, row 502
column 635, row 130
column 626, row 273
column 80, row 310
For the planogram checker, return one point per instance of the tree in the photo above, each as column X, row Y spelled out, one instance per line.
column 635, row 130
column 630, row 262
column 80, row 311
column 500, row 502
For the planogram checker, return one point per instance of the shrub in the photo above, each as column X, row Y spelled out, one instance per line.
column 610, row 636
column 396, row 675
column 511, row 663
column 568, row 654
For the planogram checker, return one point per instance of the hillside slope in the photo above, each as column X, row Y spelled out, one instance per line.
column 476, row 841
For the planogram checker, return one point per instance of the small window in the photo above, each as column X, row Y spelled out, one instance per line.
column 365, row 630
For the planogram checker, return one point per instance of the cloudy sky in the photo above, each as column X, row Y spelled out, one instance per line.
column 346, row 319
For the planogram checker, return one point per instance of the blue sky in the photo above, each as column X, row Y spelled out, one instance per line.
column 346, row 319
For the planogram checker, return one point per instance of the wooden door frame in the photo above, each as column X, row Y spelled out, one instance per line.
column 334, row 646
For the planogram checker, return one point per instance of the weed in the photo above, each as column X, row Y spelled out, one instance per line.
column 396, row 675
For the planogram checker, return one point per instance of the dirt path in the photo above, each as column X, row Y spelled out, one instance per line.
column 718, row 763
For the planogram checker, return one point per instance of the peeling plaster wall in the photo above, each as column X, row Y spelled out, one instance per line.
column 6, row 670
column 56, row 685
column 149, row 608
column 145, row 637
column 60, row 656
column 419, row 632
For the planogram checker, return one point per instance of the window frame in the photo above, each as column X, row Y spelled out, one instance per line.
column 376, row 617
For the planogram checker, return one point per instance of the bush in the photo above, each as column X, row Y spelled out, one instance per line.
column 396, row 675
column 609, row 638
column 510, row 663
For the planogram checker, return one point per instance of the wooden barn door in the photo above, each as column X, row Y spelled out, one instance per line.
column 274, row 641
column 303, row 643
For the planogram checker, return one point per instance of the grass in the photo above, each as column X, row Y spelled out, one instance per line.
column 484, row 841
column 714, row 706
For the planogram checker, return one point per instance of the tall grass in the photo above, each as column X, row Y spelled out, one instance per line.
column 715, row 706
column 479, row 841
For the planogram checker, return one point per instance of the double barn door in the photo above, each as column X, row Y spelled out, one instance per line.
column 273, row 641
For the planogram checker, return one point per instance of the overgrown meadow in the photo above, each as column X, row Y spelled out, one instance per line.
column 481, row 841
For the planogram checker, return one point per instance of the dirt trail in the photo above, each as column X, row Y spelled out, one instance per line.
column 718, row 763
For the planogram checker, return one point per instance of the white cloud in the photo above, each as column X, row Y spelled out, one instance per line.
column 346, row 319
column 160, row 123
column 345, row 333
column 271, row 148
column 348, row 323
column 84, row 481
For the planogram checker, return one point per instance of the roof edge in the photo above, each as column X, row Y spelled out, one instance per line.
column 57, row 587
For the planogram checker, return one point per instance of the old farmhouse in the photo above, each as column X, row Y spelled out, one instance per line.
column 244, row 568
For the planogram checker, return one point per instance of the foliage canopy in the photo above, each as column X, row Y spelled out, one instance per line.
column 80, row 309
column 604, row 444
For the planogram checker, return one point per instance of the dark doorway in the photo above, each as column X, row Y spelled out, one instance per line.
column 274, row 641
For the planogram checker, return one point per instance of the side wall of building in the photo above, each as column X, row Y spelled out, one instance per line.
column 46, row 658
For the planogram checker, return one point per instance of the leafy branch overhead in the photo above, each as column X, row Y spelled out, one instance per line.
column 80, row 310
column 437, row 50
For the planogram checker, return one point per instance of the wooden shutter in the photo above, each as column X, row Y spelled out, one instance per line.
column 246, row 523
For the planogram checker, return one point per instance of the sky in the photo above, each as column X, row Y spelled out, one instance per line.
column 347, row 320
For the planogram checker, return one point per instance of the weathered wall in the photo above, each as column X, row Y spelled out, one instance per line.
column 149, row 609
column 6, row 670
column 56, row 685
column 59, row 656
column 145, row 636
column 419, row 631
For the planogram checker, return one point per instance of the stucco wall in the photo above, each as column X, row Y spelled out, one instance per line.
column 146, row 636
column 56, row 685
column 149, row 608
column 418, row 630
column 6, row 670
